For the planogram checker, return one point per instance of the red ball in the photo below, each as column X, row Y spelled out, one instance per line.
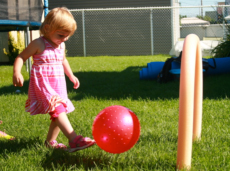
column 116, row 129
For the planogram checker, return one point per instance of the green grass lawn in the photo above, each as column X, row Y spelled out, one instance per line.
column 107, row 81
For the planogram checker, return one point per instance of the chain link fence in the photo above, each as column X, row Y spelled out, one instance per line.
column 141, row 31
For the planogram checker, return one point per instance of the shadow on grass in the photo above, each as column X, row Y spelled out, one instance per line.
column 64, row 160
column 117, row 85
column 18, row 144
column 12, row 89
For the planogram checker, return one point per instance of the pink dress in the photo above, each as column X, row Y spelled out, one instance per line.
column 47, row 88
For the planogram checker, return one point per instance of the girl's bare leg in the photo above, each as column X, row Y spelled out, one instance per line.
column 53, row 131
column 61, row 123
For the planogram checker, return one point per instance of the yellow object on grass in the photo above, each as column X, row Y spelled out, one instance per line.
column 3, row 135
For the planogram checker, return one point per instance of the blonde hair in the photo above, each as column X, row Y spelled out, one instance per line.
column 59, row 19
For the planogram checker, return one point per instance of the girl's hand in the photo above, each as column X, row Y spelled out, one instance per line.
column 18, row 80
column 75, row 81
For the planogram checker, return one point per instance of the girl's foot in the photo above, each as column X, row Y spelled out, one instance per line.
column 54, row 144
column 80, row 143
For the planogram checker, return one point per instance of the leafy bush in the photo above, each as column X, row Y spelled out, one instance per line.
column 14, row 47
column 223, row 50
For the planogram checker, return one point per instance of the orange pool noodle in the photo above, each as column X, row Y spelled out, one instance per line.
column 190, row 100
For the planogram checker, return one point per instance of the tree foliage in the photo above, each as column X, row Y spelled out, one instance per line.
column 14, row 47
column 223, row 50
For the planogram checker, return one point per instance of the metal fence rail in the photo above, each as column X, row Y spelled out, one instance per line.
column 138, row 31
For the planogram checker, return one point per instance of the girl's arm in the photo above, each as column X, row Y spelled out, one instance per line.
column 33, row 48
column 68, row 71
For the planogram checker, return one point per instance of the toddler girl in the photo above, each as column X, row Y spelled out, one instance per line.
column 47, row 88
